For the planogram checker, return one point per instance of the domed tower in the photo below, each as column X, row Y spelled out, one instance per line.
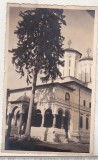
column 71, row 58
column 23, row 98
column 85, row 70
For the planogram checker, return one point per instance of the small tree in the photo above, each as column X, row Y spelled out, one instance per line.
column 39, row 48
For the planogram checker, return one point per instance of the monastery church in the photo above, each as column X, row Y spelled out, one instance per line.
column 62, row 109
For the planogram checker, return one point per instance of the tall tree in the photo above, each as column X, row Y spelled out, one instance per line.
column 39, row 48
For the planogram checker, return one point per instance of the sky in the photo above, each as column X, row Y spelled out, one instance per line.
column 79, row 28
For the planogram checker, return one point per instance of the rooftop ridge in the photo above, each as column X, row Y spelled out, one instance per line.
column 86, row 58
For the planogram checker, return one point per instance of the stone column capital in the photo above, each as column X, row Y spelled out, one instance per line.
column 54, row 114
column 63, row 115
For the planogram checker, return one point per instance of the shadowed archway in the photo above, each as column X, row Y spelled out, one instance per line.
column 59, row 119
column 67, row 122
column 37, row 119
column 48, row 118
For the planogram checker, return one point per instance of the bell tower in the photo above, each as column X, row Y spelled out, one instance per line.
column 71, row 60
column 85, row 68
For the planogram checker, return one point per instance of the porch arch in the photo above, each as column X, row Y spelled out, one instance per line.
column 48, row 118
column 59, row 118
column 14, row 109
column 14, row 114
column 37, row 119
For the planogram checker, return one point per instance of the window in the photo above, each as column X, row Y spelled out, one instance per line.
column 69, row 72
column 84, row 103
column 81, row 121
column 67, row 96
column 89, row 104
column 69, row 63
column 87, row 126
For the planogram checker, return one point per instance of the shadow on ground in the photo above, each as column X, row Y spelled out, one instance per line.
column 31, row 145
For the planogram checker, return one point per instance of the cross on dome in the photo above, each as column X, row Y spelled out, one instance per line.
column 88, row 51
column 69, row 43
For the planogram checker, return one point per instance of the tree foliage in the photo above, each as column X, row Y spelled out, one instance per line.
column 40, row 43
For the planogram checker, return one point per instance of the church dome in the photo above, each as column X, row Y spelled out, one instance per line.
column 24, row 98
column 71, row 50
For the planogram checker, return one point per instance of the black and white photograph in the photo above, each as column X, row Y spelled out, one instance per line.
column 49, row 76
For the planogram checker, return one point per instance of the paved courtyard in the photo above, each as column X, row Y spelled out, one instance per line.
column 47, row 146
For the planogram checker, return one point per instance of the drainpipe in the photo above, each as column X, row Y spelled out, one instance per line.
column 79, row 114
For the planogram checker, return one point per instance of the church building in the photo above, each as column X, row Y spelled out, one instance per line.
column 62, row 110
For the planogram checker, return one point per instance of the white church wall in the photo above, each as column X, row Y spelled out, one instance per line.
column 85, row 70
column 71, row 63
column 60, row 93
column 85, row 94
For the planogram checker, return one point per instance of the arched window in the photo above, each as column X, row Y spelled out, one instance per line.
column 67, row 97
column 81, row 121
column 59, row 119
column 89, row 104
column 69, row 62
column 87, row 123
column 84, row 102
column 48, row 118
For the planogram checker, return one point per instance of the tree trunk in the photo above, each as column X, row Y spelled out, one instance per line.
column 31, row 106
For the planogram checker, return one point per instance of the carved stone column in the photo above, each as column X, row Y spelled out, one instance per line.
column 43, row 118
column 54, row 112
column 62, row 123
column 21, row 116
column 20, row 124
column 54, row 121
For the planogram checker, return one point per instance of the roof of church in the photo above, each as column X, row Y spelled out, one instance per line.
column 71, row 79
column 63, row 84
column 73, row 50
column 86, row 58
column 24, row 98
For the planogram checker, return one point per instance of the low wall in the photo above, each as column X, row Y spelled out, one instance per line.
column 57, row 135
column 83, row 137
column 48, row 134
